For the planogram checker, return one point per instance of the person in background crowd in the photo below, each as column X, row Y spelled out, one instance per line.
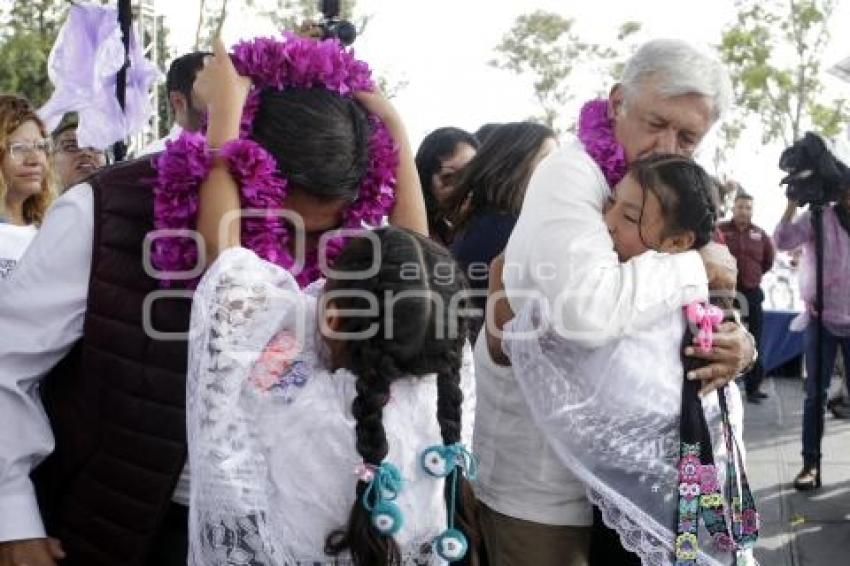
column 26, row 189
column 187, row 110
column 488, row 196
column 441, row 154
column 72, row 163
column 753, row 250
column 789, row 234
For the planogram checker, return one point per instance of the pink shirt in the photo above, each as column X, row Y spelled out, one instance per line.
column 836, row 291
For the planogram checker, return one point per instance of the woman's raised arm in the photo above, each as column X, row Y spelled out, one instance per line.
column 224, row 91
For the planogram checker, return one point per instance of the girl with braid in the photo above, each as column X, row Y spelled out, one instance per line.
column 327, row 425
column 621, row 417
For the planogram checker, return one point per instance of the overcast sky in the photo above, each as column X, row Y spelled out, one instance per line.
column 442, row 47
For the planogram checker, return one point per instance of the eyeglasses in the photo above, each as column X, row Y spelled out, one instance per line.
column 70, row 146
column 19, row 151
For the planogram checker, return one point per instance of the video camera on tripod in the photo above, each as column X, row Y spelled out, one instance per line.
column 815, row 175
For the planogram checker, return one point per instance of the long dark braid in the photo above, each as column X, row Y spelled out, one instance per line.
column 414, row 347
column 449, row 399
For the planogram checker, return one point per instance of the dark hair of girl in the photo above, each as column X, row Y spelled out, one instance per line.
column 688, row 195
column 425, row 337
column 497, row 177
column 319, row 139
column 438, row 146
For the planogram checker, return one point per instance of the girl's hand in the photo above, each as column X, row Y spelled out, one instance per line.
column 378, row 104
column 224, row 91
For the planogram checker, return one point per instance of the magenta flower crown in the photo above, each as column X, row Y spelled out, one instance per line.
column 596, row 133
column 293, row 62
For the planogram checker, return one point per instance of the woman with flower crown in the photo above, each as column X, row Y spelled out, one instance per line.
column 326, row 425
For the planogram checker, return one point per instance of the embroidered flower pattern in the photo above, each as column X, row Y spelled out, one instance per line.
column 689, row 490
column 279, row 366
column 689, row 467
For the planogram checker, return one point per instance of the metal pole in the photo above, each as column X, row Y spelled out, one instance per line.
column 817, row 221
column 125, row 18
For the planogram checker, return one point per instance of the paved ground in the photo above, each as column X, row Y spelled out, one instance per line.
column 798, row 529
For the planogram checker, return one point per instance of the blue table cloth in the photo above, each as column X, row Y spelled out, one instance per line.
column 778, row 343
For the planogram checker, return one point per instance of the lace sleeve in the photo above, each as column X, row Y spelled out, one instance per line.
column 241, row 305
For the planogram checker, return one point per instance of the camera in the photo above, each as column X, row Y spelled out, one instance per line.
column 333, row 26
column 815, row 175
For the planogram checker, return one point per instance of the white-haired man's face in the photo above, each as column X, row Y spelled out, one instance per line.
column 648, row 123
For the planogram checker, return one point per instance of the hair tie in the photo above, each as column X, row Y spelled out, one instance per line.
column 444, row 461
column 707, row 317
column 383, row 487
column 440, row 460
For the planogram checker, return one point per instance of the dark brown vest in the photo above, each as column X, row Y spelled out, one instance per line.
column 117, row 401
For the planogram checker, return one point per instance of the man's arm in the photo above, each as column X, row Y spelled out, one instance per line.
column 42, row 307
column 561, row 251
column 791, row 232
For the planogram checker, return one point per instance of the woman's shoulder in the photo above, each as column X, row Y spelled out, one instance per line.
column 15, row 239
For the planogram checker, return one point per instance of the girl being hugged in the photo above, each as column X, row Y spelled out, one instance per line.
column 663, row 467
column 325, row 424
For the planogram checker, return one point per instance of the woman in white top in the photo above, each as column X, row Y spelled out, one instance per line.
column 324, row 424
column 25, row 189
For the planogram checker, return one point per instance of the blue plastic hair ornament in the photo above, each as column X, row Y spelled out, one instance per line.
column 445, row 461
column 384, row 484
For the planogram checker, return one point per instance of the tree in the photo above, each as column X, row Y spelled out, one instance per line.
column 28, row 29
column 773, row 53
column 544, row 45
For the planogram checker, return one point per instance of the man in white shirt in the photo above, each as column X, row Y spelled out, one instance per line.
column 533, row 510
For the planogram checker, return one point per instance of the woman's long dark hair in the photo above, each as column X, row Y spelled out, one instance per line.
column 437, row 147
column 319, row 139
column 421, row 335
column 497, row 177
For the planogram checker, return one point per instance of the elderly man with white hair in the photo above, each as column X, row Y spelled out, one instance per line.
column 533, row 510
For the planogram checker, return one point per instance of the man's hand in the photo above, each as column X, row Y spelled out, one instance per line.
column 720, row 266
column 732, row 351
column 31, row 552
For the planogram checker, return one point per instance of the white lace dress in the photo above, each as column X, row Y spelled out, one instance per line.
column 271, row 435
column 611, row 414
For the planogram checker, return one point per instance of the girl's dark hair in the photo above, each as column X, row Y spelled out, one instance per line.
column 437, row 147
column 485, row 131
column 497, row 177
column 420, row 335
column 688, row 195
column 319, row 139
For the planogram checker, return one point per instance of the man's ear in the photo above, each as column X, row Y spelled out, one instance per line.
column 615, row 101
column 177, row 101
